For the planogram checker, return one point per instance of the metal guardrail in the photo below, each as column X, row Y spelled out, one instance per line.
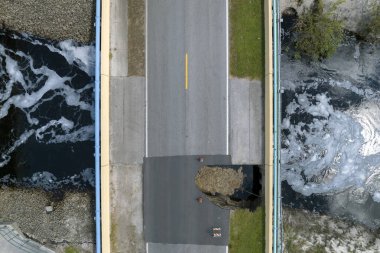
column 19, row 241
column 277, row 207
column 97, row 127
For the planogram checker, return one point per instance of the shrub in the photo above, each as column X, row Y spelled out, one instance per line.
column 374, row 23
column 71, row 249
column 318, row 33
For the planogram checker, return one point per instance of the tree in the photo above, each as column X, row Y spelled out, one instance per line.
column 317, row 32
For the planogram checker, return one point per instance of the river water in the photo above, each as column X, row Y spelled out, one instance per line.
column 330, row 154
column 46, row 112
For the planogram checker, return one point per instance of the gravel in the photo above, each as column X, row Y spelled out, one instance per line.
column 70, row 222
column 50, row 19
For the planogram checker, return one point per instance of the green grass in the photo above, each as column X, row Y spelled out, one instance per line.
column 247, row 231
column 113, row 235
column 247, row 48
column 71, row 249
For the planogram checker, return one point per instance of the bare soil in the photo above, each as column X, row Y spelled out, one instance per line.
column 224, row 181
column 136, row 37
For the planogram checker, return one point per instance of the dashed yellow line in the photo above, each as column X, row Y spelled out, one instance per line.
column 186, row 71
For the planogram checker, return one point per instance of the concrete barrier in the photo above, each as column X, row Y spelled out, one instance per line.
column 105, row 140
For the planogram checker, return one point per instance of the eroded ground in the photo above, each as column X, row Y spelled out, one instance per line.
column 70, row 224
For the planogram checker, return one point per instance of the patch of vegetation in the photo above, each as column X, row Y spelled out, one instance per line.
column 247, row 231
column 299, row 2
column 371, row 24
column 113, row 237
column 375, row 21
column 71, row 249
column 247, row 48
column 317, row 33
column 136, row 38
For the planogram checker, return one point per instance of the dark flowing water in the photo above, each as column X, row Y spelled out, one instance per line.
column 330, row 156
column 46, row 111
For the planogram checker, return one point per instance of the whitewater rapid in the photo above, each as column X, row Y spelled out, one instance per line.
column 46, row 97
column 331, row 128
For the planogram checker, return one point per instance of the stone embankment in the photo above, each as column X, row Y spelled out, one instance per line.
column 50, row 19
column 352, row 12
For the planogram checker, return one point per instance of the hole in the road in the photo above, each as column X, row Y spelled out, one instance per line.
column 231, row 186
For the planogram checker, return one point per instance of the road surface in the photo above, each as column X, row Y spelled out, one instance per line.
column 171, row 213
column 187, row 103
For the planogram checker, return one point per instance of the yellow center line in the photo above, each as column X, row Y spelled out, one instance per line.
column 186, row 72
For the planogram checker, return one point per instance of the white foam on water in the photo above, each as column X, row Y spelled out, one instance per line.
column 337, row 150
column 5, row 155
column 49, row 181
column 82, row 134
column 63, row 123
column 88, row 175
column 368, row 115
column 81, row 55
column 45, row 85
column 376, row 197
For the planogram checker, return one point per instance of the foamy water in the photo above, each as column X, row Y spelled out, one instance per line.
column 46, row 93
column 331, row 133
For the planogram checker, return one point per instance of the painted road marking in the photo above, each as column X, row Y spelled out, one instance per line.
column 146, row 79
column 186, row 71
column 227, row 81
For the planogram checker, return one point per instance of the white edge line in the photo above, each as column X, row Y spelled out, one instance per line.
column 146, row 78
column 227, row 74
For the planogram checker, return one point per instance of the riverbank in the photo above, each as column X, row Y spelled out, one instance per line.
column 57, row 220
column 352, row 13
column 55, row 20
column 314, row 233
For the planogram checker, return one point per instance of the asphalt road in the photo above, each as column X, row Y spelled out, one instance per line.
column 171, row 213
column 185, row 248
column 188, row 121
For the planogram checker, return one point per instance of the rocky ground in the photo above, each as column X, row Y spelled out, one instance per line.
column 314, row 233
column 56, row 20
column 70, row 224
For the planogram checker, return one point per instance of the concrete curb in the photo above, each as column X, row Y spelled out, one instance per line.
column 105, row 122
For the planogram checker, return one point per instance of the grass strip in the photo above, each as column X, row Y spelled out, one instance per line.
column 247, row 231
column 247, row 48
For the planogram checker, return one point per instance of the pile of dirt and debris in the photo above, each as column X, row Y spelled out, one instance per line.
column 225, row 181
